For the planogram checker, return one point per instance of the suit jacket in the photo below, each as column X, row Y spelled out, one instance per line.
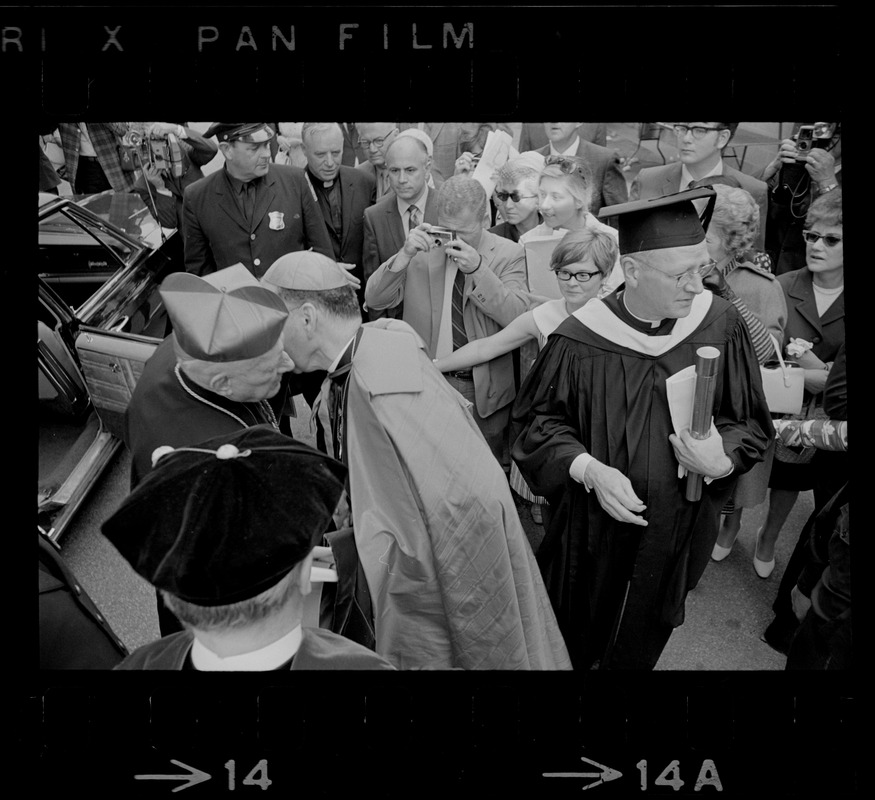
column 533, row 136
column 105, row 138
column 216, row 235
column 357, row 195
column 445, row 138
column 351, row 149
column 494, row 295
column 608, row 182
column 826, row 333
column 385, row 232
column 660, row 181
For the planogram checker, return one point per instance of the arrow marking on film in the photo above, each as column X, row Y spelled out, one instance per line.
column 604, row 775
column 194, row 777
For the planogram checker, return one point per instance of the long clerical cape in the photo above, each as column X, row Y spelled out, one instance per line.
column 599, row 387
column 453, row 581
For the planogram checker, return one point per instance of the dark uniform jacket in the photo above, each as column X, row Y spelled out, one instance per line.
column 73, row 634
column 286, row 219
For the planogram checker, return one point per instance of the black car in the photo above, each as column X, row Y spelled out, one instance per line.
column 101, row 260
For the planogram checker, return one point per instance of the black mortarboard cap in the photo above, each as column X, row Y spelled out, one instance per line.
column 221, row 526
column 661, row 222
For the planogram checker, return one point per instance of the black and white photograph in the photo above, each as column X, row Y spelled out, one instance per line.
column 456, row 402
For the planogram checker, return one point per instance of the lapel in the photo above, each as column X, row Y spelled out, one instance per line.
column 395, row 225
column 228, row 203
column 672, row 181
column 347, row 190
column 265, row 198
column 802, row 290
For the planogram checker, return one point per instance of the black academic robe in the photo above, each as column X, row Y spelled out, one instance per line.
column 618, row 589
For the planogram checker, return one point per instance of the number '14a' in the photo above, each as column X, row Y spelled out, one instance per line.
column 671, row 776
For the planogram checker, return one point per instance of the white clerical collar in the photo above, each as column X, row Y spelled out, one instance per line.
column 571, row 151
column 267, row 658
column 420, row 201
column 686, row 176
column 649, row 322
column 340, row 354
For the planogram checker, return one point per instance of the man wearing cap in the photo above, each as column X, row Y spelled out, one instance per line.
column 450, row 574
column 213, row 375
column 700, row 156
column 251, row 211
column 468, row 289
column 624, row 545
column 411, row 202
column 226, row 532
column 343, row 194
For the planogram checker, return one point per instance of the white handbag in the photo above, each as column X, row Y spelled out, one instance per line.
column 783, row 385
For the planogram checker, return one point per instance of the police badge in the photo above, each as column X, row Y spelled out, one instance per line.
column 276, row 220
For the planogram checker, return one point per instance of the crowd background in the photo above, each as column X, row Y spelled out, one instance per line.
column 754, row 149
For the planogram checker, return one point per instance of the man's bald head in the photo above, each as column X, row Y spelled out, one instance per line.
column 409, row 166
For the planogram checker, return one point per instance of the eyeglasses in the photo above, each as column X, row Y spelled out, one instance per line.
column 829, row 239
column 698, row 131
column 580, row 277
column 503, row 197
column 366, row 144
column 700, row 272
column 569, row 165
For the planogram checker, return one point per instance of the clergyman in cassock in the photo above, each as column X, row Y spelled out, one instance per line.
column 226, row 530
column 624, row 545
column 452, row 580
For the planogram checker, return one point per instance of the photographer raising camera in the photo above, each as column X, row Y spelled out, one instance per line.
column 807, row 165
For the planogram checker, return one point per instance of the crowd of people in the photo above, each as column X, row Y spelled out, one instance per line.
column 372, row 276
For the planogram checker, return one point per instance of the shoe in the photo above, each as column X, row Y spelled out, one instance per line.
column 719, row 552
column 537, row 516
column 762, row 568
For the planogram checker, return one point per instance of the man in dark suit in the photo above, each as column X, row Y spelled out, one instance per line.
column 608, row 183
column 374, row 139
column 342, row 194
column 700, row 153
column 252, row 211
column 387, row 223
column 532, row 134
column 352, row 150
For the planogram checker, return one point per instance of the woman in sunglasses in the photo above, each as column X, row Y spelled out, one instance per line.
column 516, row 196
column 815, row 313
column 582, row 261
column 732, row 231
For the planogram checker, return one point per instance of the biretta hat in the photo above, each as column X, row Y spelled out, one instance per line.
column 224, row 520
column 661, row 222
column 306, row 270
column 251, row 132
column 225, row 316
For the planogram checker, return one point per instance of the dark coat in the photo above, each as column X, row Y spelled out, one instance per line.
column 217, row 236
column 826, row 333
column 73, row 634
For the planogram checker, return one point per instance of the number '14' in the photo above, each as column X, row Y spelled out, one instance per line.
column 671, row 776
column 257, row 775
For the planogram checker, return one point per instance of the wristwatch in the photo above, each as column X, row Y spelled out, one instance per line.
column 829, row 188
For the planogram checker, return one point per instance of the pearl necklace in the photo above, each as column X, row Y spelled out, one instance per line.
column 265, row 406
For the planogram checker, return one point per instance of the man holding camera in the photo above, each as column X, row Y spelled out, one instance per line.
column 807, row 165
column 466, row 286
column 409, row 202
column 700, row 156
column 252, row 211
column 167, row 176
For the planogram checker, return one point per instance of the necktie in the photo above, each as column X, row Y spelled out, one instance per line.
column 413, row 221
column 460, row 338
column 248, row 200
column 384, row 182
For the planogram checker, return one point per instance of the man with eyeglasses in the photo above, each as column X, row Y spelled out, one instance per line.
column 624, row 545
column 608, row 182
column 251, row 211
column 700, row 156
column 374, row 139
